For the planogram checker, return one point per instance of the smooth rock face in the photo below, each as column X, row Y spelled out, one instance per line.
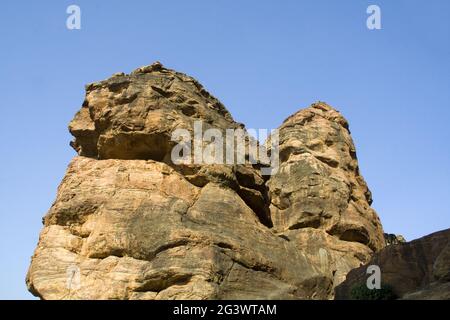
column 419, row 269
column 128, row 223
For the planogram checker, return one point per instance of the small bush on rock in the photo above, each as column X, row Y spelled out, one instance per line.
column 361, row 292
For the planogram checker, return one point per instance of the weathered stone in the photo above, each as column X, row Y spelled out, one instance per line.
column 419, row 269
column 318, row 196
column 128, row 223
column 391, row 238
column 138, row 229
column 318, row 184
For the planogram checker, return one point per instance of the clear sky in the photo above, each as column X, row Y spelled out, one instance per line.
column 263, row 59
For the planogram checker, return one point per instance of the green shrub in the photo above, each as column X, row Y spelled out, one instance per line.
column 361, row 292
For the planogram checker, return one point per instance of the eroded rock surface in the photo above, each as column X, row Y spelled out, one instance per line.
column 128, row 223
column 419, row 269
column 391, row 238
column 318, row 197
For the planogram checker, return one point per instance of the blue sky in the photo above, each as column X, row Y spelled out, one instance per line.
column 263, row 59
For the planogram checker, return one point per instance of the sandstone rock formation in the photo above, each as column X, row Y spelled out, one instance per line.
column 128, row 223
column 419, row 269
column 318, row 198
column 391, row 238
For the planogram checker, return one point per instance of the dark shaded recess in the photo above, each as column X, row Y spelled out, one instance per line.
column 261, row 208
column 164, row 281
column 135, row 146
column 355, row 235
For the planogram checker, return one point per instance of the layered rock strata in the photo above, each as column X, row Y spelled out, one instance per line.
column 130, row 223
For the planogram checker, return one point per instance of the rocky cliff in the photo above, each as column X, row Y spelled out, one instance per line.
column 129, row 223
column 419, row 269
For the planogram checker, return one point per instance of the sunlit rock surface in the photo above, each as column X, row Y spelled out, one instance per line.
column 128, row 223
